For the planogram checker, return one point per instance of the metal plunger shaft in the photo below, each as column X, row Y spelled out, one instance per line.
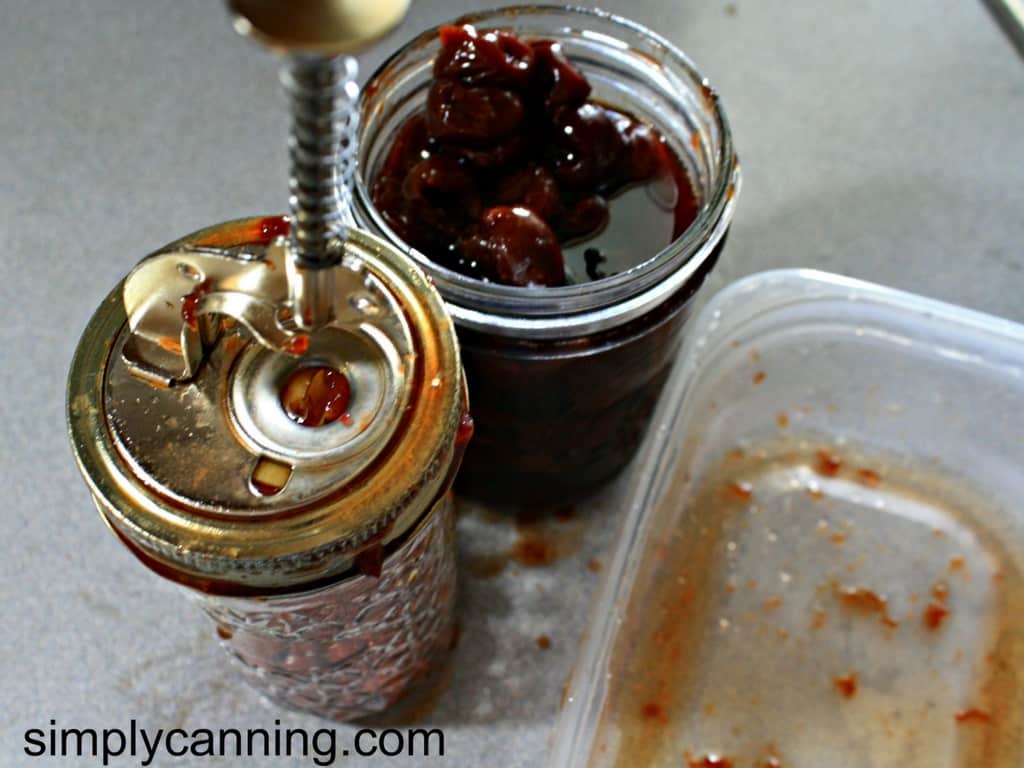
column 319, row 77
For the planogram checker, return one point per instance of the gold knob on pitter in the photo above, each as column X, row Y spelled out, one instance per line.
column 319, row 76
column 316, row 26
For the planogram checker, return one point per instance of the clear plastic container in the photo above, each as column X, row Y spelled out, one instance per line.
column 822, row 561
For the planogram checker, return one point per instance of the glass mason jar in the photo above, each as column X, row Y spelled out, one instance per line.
column 564, row 380
column 322, row 548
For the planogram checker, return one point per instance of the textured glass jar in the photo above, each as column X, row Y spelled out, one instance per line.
column 564, row 380
column 325, row 554
column 350, row 649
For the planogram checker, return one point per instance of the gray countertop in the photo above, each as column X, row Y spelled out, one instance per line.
column 880, row 140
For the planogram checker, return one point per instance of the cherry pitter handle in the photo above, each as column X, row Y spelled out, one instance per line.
column 262, row 402
column 303, row 280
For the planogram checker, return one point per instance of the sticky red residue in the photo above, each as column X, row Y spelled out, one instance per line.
column 936, row 611
column 271, row 227
column 740, row 491
column 264, row 488
column 190, row 303
column 973, row 715
column 846, row 684
column 758, row 377
column 534, row 552
column 297, row 345
column 695, row 141
column 956, row 563
column 224, row 633
column 464, row 433
column 653, row 711
column 317, row 395
column 543, row 642
column 594, row 565
column 934, row 614
column 866, row 600
column 171, row 345
column 346, row 419
column 370, row 561
column 863, row 598
column 869, row 477
column 828, row 463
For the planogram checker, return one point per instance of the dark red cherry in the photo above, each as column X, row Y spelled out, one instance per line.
column 457, row 112
column 513, row 246
column 559, row 82
column 438, row 175
column 644, row 154
column 584, row 219
column 495, row 155
column 409, row 144
column 490, row 58
column 532, row 187
column 587, row 146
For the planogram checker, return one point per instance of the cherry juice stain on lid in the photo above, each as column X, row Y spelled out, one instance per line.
column 316, row 395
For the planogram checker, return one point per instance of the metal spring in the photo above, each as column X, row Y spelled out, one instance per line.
column 323, row 93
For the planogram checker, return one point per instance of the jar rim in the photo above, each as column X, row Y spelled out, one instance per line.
column 543, row 311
